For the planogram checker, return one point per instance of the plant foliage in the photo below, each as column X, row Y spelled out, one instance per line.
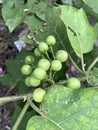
column 67, row 20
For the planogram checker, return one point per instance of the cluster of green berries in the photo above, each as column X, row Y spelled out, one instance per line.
column 35, row 76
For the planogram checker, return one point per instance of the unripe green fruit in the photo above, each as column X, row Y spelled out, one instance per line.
column 26, row 69
column 39, row 73
column 61, row 55
column 29, row 59
column 43, row 47
column 38, row 95
column 34, row 81
column 44, row 63
column 27, row 81
column 56, row 65
column 73, row 83
column 37, row 52
column 51, row 40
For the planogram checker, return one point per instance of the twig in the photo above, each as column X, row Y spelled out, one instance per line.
column 92, row 65
column 15, row 127
column 6, row 99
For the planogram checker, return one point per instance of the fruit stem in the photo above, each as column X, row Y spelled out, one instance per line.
column 41, row 113
column 47, row 56
column 82, row 58
column 82, row 72
column 50, row 80
column 15, row 127
column 92, row 64
column 51, row 48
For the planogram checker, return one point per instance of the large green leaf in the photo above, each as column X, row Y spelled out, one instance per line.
column 68, row 109
column 81, row 34
column 92, row 4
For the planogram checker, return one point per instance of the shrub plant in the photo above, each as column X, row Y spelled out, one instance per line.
column 61, row 34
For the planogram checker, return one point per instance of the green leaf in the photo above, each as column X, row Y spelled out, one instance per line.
column 13, row 76
column 68, row 109
column 81, row 34
column 93, row 77
column 13, row 13
column 32, row 13
column 39, row 123
column 92, row 4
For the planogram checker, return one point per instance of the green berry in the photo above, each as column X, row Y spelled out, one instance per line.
column 29, row 59
column 43, row 47
column 27, row 81
column 51, row 40
column 38, row 95
column 26, row 69
column 44, row 63
column 73, row 83
column 34, row 81
column 37, row 52
column 39, row 73
column 56, row 65
column 61, row 55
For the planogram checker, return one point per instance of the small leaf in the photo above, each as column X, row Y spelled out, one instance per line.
column 11, row 11
column 81, row 34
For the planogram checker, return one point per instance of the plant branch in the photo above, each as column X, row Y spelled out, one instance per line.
column 92, row 65
column 73, row 62
column 15, row 127
column 6, row 99
column 47, row 56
